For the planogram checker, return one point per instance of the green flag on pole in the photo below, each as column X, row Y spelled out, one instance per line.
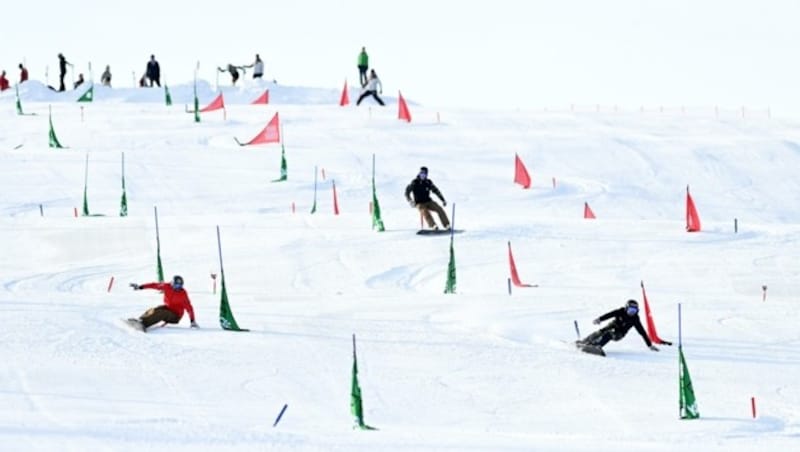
column 88, row 96
column 53, row 140
column 123, row 204
column 377, row 222
column 688, row 403
column 196, row 104
column 167, row 97
column 226, row 319
column 314, row 206
column 356, row 405
column 450, row 286
column 159, row 267
column 19, row 102
column 284, row 172
column 86, row 188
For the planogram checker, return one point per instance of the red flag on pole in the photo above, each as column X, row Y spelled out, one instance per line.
column 345, row 99
column 335, row 199
column 262, row 99
column 216, row 104
column 651, row 326
column 514, row 275
column 587, row 212
column 270, row 134
column 692, row 219
column 402, row 109
column 521, row 175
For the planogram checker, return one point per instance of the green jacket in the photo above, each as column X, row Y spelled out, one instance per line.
column 363, row 59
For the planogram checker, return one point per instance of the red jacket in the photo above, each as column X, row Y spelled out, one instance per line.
column 23, row 75
column 3, row 83
column 176, row 300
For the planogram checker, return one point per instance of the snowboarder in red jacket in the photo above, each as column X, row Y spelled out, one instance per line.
column 176, row 301
column 23, row 73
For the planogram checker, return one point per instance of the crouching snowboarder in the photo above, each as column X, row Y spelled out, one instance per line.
column 176, row 301
column 625, row 318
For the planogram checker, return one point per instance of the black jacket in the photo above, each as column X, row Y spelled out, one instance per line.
column 622, row 323
column 153, row 70
column 422, row 189
column 62, row 65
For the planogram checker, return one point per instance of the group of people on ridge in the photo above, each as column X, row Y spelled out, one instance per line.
column 5, row 84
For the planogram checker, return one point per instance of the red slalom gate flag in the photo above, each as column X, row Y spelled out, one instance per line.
column 262, row 99
column 216, row 104
column 521, row 175
column 514, row 275
column 345, row 99
column 335, row 199
column 651, row 325
column 587, row 212
column 402, row 109
column 692, row 218
column 270, row 134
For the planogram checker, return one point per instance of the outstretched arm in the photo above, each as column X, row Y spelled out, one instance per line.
column 436, row 191
column 640, row 329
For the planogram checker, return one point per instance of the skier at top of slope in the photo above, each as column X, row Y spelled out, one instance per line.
column 625, row 318
column 176, row 301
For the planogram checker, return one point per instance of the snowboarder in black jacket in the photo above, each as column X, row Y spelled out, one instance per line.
column 421, row 187
column 625, row 318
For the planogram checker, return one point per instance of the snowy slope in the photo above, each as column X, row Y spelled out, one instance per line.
column 479, row 370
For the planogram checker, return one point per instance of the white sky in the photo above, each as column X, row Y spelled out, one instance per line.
column 486, row 54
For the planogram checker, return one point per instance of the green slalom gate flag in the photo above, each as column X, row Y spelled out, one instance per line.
column 123, row 204
column 356, row 405
column 196, row 104
column 53, row 140
column 226, row 319
column 450, row 286
column 377, row 222
column 19, row 102
column 314, row 206
column 159, row 267
column 167, row 97
column 88, row 96
column 86, row 188
column 284, row 172
column 688, row 403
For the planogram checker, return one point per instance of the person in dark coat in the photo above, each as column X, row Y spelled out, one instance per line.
column 234, row 71
column 153, row 71
column 421, row 187
column 625, row 318
column 62, row 71
column 105, row 79
column 3, row 81
column 176, row 302
column 79, row 82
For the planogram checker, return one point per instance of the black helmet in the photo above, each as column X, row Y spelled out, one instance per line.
column 423, row 169
column 632, row 307
column 177, row 282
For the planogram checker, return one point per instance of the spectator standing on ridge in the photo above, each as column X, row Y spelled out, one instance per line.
column 258, row 67
column 3, row 81
column 62, row 70
column 421, row 187
column 105, row 79
column 363, row 64
column 23, row 73
column 153, row 71
column 373, row 87
column 176, row 301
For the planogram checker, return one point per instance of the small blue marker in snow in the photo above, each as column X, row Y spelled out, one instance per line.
column 280, row 415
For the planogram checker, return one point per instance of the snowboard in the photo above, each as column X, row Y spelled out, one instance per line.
column 439, row 231
column 591, row 349
column 135, row 324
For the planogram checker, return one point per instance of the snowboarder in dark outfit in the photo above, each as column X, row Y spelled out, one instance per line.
column 625, row 318
column 234, row 71
column 62, row 71
column 421, row 187
column 153, row 71
column 176, row 301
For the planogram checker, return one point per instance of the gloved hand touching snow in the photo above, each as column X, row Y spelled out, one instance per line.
column 135, row 286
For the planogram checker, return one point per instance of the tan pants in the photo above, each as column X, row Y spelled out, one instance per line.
column 425, row 209
column 158, row 314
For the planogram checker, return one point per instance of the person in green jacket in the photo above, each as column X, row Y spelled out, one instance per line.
column 363, row 64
